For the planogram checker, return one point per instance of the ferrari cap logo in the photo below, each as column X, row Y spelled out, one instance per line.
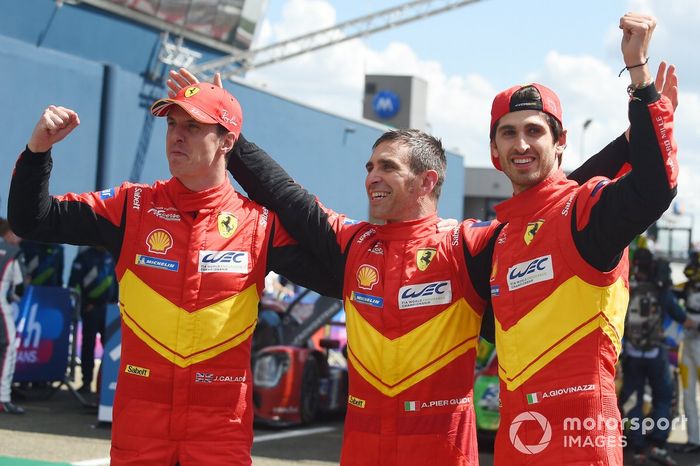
column 191, row 91
column 531, row 231
column 227, row 224
column 424, row 257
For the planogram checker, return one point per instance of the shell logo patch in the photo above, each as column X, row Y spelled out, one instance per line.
column 531, row 230
column 191, row 91
column 424, row 257
column 367, row 276
column 159, row 241
column 227, row 224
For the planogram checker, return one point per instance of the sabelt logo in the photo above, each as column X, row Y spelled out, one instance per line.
column 425, row 294
column 136, row 204
column 356, row 402
column 223, row 261
column 530, row 272
column 455, row 236
column 567, row 207
column 135, row 370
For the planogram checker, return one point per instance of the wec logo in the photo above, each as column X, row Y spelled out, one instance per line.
column 223, row 261
column 425, row 294
column 428, row 290
column 533, row 271
column 224, row 258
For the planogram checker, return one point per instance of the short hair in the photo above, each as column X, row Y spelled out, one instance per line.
column 530, row 93
column 425, row 153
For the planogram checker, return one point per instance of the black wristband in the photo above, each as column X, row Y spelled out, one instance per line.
column 633, row 66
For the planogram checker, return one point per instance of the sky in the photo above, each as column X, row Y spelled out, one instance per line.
column 469, row 54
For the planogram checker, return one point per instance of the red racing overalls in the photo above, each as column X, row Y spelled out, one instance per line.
column 191, row 268
column 559, row 290
column 413, row 320
column 411, row 372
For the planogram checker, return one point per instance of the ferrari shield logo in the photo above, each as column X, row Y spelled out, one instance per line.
column 531, row 231
column 227, row 224
column 424, row 257
column 191, row 91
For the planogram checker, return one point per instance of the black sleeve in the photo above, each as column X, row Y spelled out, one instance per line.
column 267, row 183
column 301, row 267
column 608, row 162
column 629, row 205
column 34, row 214
column 479, row 267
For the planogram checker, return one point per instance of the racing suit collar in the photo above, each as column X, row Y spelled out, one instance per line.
column 194, row 201
column 534, row 199
column 407, row 230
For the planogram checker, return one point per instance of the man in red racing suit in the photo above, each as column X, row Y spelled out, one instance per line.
column 559, row 283
column 414, row 298
column 192, row 254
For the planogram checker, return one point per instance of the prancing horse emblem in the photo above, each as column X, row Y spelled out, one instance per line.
column 424, row 257
column 531, row 230
column 227, row 224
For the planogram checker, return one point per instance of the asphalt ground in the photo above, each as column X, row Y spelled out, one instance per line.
column 59, row 430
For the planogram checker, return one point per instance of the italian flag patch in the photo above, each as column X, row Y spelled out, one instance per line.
column 533, row 398
column 411, row 405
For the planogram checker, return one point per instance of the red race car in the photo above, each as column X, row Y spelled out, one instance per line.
column 299, row 369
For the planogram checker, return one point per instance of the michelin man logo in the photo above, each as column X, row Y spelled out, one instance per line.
column 529, row 416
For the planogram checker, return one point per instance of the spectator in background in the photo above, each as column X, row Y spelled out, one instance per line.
column 92, row 275
column 11, row 281
column 645, row 358
column 690, row 360
column 44, row 263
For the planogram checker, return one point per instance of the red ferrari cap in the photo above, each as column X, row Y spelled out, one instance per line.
column 504, row 103
column 205, row 103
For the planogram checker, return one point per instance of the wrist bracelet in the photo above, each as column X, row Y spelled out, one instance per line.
column 633, row 66
column 632, row 88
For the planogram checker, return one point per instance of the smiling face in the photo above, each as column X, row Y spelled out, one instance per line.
column 395, row 193
column 525, row 148
column 196, row 151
